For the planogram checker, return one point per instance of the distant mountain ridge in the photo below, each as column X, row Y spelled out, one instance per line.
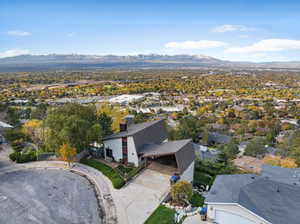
column 94, row 62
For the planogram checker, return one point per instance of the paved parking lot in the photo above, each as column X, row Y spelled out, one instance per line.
column 39, row 196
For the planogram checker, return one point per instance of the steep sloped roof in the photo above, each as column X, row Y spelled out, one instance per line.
column 182, row 149
column 149, row 127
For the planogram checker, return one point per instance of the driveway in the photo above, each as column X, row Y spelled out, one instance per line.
column 5, row 150
column 142, row 195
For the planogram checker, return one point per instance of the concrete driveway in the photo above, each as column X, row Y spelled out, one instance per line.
column 142, row 195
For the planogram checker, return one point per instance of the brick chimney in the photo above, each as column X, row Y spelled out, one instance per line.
column 123, row 126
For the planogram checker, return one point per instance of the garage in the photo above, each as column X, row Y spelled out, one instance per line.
column 225, row 217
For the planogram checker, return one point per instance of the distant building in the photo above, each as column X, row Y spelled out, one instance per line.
column 126, row 99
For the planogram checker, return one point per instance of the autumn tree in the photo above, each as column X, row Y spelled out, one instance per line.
column 67, row 153
column 278, row 161
column 182, row 191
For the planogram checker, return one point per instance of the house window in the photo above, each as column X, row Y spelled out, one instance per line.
column 109, row 152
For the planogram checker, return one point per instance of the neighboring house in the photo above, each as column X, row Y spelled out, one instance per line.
column 242, row 147
column 147, row 143
column 5, row 125
column 215, row 138
column 272, row 198
column 205, row 153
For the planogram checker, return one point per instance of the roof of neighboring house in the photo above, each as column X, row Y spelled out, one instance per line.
column 133, row 129
column 5, row 125
column 205, row 153
column 182, row 149
column 218, row 138
column 271, row 196
column 271, row 150
column 284, row 175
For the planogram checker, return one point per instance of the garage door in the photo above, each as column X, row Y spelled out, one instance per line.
column 223, row 217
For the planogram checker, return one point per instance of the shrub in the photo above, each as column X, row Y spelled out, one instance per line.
column 13, row 156
column 197, row 200
column 23, row 157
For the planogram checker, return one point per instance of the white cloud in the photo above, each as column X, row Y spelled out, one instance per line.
column 13, row 52
column 190, row 44
column 72, row 34
column 18, row 33
column 267, row 46
column 231, row 27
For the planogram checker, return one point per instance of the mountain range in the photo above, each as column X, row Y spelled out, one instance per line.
column 67, row 62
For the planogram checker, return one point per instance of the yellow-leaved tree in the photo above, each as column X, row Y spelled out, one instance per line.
column 181, row 192
column 67, row 153
column 117, row 113
column 278, row 161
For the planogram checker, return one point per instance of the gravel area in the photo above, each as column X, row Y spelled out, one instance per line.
column 47, row 197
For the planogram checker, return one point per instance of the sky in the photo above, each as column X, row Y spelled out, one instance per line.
column 237, row 30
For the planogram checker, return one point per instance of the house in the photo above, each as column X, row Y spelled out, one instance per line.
column 206, row 153
column 147, row 143
column 215, row 138
column 4, row 126
column 273, row 197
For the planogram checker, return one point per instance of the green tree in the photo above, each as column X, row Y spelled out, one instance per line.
column 231, row 150
column 256, row 148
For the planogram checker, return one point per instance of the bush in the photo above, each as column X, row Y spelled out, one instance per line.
column 197, row 200
column 14, row 134
column 23, row 157
column 17, row 145
column 13, row 156
column 27, row 157
column 115, row 178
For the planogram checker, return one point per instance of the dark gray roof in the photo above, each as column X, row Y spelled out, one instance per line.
column 271, row 150
column 182, row 149
column 283, row 175
column 217, row 138
column 273, row 196
column 135, row 128
column 276, row 202
column 223, row 189
column 165, row 148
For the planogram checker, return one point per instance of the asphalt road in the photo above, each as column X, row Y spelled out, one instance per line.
column 39, row 196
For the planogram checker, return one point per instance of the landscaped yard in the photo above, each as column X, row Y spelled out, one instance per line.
column 161, row 215
column 115, row 178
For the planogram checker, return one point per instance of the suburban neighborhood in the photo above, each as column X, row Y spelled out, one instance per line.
column 149, row 112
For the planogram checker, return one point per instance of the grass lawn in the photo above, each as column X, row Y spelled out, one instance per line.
column 115, row 178
column 161, row 215
column 197, row 200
